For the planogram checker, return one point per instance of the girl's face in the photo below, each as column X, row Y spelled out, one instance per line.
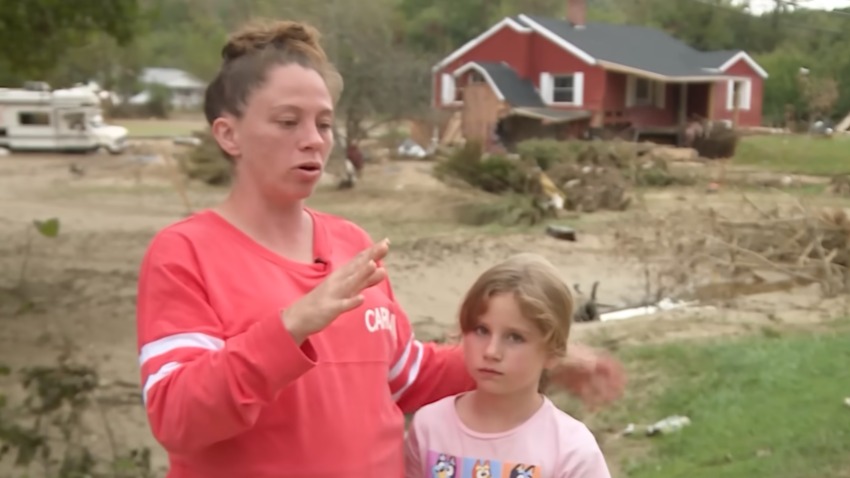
column 505, row 353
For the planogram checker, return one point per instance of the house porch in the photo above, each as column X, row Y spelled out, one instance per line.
column 649, row 109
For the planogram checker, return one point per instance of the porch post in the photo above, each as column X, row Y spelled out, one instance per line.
column 712, row 87
column 683, row 103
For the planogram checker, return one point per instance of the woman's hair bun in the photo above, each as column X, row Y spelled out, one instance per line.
column 282, row 35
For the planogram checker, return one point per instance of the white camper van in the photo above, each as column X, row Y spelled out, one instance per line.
column 69, row 120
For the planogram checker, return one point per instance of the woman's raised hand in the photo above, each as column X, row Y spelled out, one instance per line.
column 340, row 292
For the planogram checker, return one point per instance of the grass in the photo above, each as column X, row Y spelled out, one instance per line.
column 798, row 154
column 759, row 406
column 159, row 127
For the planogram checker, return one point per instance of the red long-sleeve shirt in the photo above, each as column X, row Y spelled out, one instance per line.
column 227, row 390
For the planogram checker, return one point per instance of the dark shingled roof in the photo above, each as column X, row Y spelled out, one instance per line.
column 522, row 96
column 638, row 47
column 715, row 59
column 517, row 91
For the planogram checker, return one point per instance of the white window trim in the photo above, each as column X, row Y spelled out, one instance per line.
column 547, row 88
column 657, row 91
column 448, row 90
column 745, row 98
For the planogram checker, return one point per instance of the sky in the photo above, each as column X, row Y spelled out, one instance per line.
column 760, row 6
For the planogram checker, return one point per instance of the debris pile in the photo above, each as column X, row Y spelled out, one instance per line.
column 583, row 176
column 667, row 426
column 586, row 309
column 591, row 188
column 840, row 185
column 602, row 172
column 810, row 246
column 712, row 139
column 759, row 251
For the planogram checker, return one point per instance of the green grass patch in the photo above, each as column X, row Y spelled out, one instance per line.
column 160, row 127
column 798, row 154
column 759, row 406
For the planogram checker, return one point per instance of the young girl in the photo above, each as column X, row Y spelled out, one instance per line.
column 515, row 322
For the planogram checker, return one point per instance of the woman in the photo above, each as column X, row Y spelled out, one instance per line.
column 271, row 344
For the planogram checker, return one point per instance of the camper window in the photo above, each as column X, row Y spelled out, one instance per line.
column 37, row 118
column 76, row 121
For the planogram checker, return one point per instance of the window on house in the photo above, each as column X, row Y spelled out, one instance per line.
column 740, row 90
column 563, row 90
column 643, row 91
column 35, row 118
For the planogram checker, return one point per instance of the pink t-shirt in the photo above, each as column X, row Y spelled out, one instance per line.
column 550, row 444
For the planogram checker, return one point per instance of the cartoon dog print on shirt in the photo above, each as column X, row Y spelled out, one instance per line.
column 481, row 470
column 445, row 467
column 522, row 471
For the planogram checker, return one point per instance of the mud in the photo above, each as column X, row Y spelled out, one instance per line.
column 79, row 288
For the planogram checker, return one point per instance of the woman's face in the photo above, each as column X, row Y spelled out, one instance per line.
column 284, row 137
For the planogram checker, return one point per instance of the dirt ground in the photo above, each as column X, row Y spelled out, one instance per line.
column 81, row 285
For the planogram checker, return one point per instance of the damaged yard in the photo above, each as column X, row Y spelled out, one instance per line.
column 738, row 259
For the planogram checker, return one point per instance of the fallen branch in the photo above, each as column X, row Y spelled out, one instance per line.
column 799, row 243
column 765, row 261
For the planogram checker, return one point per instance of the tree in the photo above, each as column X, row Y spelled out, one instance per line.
column 385, row 48
column 439, row 26
column 384, row 81
column 101, row 59
column 36, row 34
column 821, row 94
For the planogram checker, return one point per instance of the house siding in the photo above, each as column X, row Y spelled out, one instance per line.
column 642, row 116
column 551, row 58
column 751, row 117
column 604, row 92
column 649, row 116
column 506, row 45
column 615, row 96
column 529, row 54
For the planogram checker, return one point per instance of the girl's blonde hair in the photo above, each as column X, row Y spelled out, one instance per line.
column 541, row 295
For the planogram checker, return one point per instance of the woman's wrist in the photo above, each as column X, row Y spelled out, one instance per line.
column 294, row 326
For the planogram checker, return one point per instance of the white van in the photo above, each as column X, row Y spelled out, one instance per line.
column 65, row 120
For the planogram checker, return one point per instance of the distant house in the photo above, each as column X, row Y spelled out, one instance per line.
column 187, row 91
column 572, row 77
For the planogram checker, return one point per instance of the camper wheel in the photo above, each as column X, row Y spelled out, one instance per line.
column 111, row 149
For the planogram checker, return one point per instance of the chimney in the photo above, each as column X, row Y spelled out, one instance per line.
column 576, row 12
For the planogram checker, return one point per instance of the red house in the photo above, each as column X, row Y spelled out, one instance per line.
column 574, row 78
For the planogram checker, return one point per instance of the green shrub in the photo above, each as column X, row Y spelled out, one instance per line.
column 510, row 210
column 548, row 152
column 206, row 162
column 494, row 174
